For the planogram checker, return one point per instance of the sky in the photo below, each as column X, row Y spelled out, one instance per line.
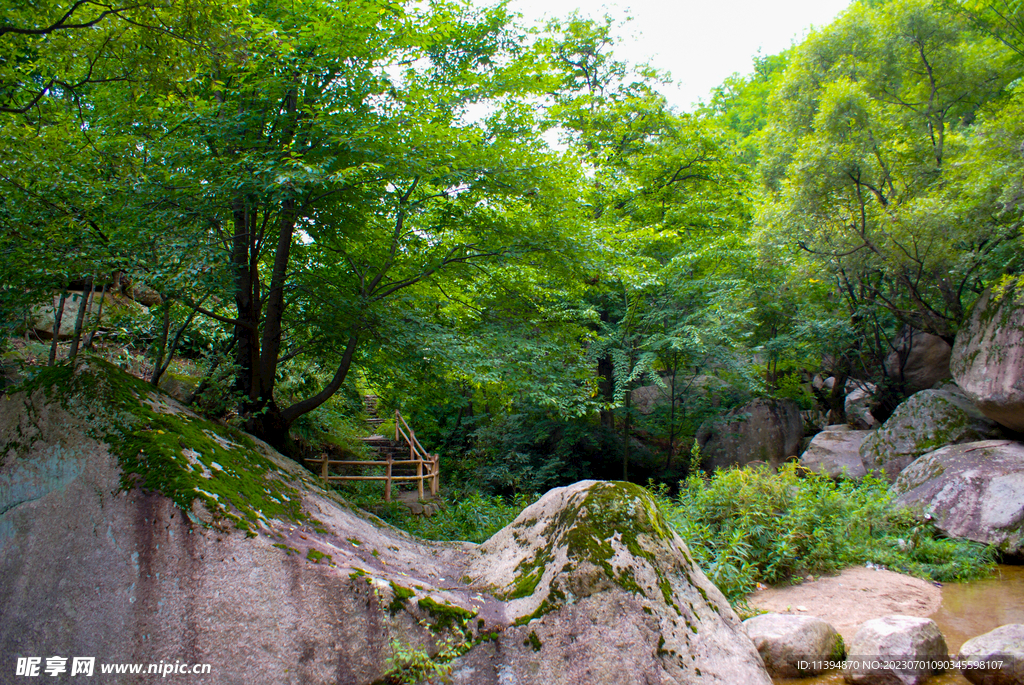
column 699, row 42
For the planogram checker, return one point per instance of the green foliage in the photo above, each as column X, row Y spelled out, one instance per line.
column 409, row 665
column 469, row 516
column 749, row 526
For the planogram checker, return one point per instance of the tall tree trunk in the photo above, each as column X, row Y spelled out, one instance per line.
column 161, row 346
column 57, row 316
column 242, row 259
column 99, row 318
column 83, row 307
column 625, row 436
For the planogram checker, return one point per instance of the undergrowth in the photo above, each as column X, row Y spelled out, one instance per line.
column 471, row 517
column 749, row 526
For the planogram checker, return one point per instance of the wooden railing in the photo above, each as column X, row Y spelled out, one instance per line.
column 427, row 465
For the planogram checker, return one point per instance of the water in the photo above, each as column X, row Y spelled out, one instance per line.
column 967, row 610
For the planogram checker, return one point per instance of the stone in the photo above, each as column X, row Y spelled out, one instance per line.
column 860, row 395
column 133, row 530
column 895, row 639
column 790, row 645
column 762, row 430
column 974, row 491
column 178, row 386
column 835, row 452
column 998, row 656
column 599, row 589
column 919, row 360
column 924, row 422
column 988, row 356
column 113, row 306
column 143, row 294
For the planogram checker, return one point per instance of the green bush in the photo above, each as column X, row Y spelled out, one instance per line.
column 472, row 517
column 745, row 526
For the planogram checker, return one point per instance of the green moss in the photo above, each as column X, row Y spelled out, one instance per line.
column 316, row 555
column 401, row 594
column 289, row 550
column 446, row 616
column 180, row 456
column 533, row 641
column 838, row 649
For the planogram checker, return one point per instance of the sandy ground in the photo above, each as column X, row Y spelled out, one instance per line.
column 854, row 596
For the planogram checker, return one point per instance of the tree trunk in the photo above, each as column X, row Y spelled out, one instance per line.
column 83, row 307
column 57, row 316
column 99, row 318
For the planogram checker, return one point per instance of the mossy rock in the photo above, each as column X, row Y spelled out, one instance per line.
column 928, row 420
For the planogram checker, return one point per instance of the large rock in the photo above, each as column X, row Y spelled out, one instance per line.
column 132, row 530
column 794, row 646
column 995, row 658
column 919, row 360
column 835, row 452
column 860, row 395
column 114, row 306
column 907, row 644
column 926, row 421
column 988, row 356
column 599, row 589
column 763, row 430
column 973, row 491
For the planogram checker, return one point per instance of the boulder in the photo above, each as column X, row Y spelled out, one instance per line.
column 143, row 294
column 926, row 421
column 178, row 386
column 835, row 452
column 599, row 589
column 973, row 491
column 791, row 645
column 860, row 395
column 997, row 657
column 895, row 639
column 988, row 356
column 113, row 306
column 919, row 360
column 762, row 430
column 135, row 531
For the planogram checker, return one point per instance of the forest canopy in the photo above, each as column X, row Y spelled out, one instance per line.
column 508, row 233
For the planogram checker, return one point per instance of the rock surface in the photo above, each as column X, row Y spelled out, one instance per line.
column 113, row 306
column 835, row 452
column 762, row 430
column 926, row 421
column 788, row 644
column 988, row 356
column 895, row 639
column 1004, row 645
column 974, row 491
column 133, row 530
column 860, row 395
column 919, row 361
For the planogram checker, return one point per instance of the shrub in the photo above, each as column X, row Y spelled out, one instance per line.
column 745, row 526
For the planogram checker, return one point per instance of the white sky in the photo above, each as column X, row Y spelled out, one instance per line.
column 700, row 42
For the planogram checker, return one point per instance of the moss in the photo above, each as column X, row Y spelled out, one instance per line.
column 621, row 512
column 838, row 649
column 289, row 550
column 401, row 594
column 316, row 555
column 533, row 641
column 446, row 615
column 182, row 457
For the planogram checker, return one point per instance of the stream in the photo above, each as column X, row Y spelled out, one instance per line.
column 967, row 610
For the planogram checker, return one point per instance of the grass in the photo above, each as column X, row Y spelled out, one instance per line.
column 749, row 526
column 471, row 517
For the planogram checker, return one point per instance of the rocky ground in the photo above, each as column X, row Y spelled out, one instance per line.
column 856, row 595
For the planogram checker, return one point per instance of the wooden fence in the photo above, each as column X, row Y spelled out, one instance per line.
column 427, row 465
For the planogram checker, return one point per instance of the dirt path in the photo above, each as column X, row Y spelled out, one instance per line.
column 854, row 596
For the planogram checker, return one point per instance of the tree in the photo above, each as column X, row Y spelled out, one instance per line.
column 868, row 119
